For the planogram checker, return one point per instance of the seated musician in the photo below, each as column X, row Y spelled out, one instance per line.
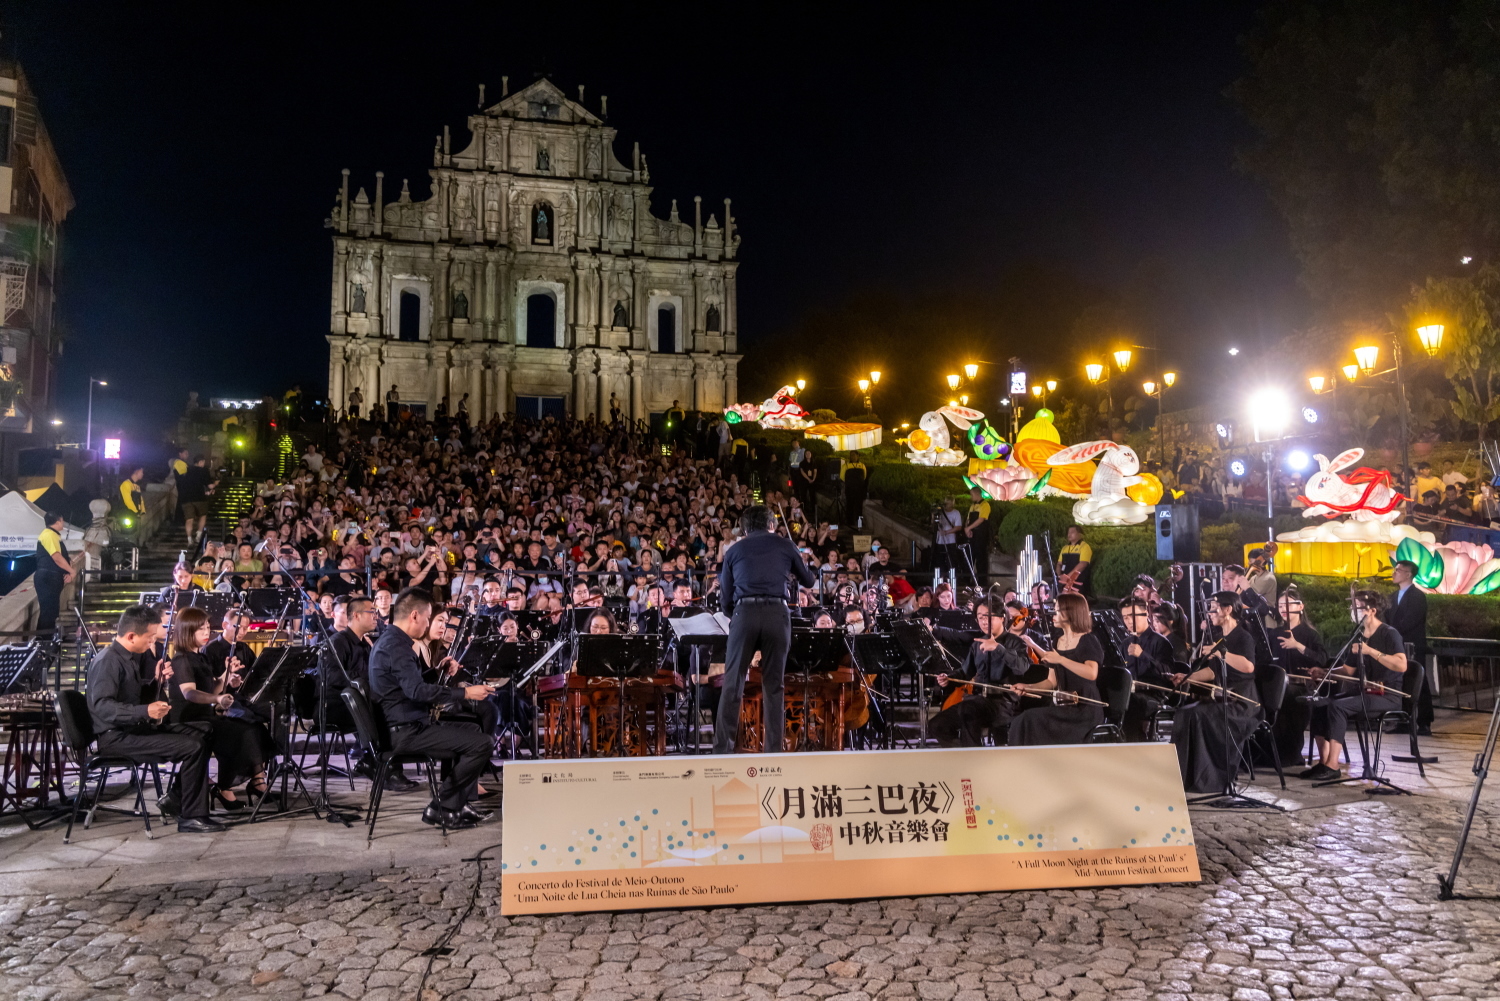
column 1073, row 664
column 182, row 580
column 600, row 624
column 129, row 716
column 343, row 662
column 491, row 599
column 1299, row 649
column 824, row 620
column 396, row 685
column 1209, row 734
column 854, row 620
column 1380, row 653
column 199, row 700
column 1149, row 658
column 999, row 657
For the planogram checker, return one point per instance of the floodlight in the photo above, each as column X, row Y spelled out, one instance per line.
column 1310, row 415
column 1269, row 413
column 1298, row 459
column 1238, row 466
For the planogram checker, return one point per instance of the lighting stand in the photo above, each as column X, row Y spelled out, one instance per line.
column 1481, row 772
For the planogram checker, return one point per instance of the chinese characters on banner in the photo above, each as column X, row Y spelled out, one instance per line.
column 738, row 829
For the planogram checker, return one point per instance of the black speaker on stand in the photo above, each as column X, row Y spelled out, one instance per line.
column 1177, row 533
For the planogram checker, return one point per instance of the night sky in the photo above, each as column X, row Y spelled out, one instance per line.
column 862, row 152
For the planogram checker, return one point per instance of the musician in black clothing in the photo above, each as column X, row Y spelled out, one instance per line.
column 396, row 685
column 229, row 647
column 1208, row 735
column 997, row 658
column 1073, row 669
column 1407, row 614
column 1380, row 651
column 1299, row 649
column 1150, row 659
column 129, row 715
column 182, row 580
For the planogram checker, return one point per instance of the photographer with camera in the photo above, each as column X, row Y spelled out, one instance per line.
column 946, row 524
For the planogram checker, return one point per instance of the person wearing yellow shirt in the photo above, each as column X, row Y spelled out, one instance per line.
column 1424, row 482
column 134, row 500
column 54, row 570
column 1074, row 559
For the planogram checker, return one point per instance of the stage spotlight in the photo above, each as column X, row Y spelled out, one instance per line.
column 1238, row 466
column 1298, row 460
column 1310, row 415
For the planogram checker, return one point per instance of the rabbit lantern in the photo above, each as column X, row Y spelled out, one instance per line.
column 1364, row 494
column 929, row 444
column 1107, row 503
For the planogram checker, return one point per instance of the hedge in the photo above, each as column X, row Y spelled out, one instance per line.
column 910, row 491
column 1326, row 601
column 1032, row 517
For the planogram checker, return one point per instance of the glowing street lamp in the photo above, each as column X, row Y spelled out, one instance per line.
column 1094, row 371
column 971, row 370
column 1367, row 357
column 953, row 381
column 1149, row 387
column 1351, row 372
column 875, row 378
column 864, row 385
column 1122, row 359
column 1431, row 337
column 1051, row 385
column 1169, row 379
column 801, row 385
column 1037, row 391
column 1316, row 383
column 964, row 399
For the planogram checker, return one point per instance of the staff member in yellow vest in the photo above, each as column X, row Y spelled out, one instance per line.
column 134, row 500
column 54, row 571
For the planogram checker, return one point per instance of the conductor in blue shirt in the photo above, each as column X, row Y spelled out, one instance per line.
column 753, row 583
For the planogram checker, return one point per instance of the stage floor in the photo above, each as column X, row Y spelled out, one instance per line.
column 116, row 852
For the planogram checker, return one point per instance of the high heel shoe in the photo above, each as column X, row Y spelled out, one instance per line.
column 232, row 805
column 254, row 794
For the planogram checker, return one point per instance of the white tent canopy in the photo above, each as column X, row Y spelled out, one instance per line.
column 21, row 522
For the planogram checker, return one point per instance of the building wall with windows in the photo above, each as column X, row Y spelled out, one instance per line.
column 34, row 201
column 535, row 275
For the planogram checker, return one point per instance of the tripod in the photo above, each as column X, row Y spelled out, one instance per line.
column 1481, row 772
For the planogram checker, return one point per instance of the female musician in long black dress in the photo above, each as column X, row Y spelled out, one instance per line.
column 1209, row 734
column 1299, row 650
column 996, row 658
column 1150, row 659
column 1381, row 652
column 199, row 697
column 1073, row 667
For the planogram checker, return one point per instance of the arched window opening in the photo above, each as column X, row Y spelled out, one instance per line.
column 541, row 224
column 409, row 326
column 666, row 330
column 541, row 321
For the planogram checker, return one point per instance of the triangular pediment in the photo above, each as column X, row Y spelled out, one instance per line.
column 543, row 101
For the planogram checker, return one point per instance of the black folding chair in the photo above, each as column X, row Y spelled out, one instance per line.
column 1114, row 685
column 76, row 726
column 375, row 740
column 1270, row 688
column 305, row 705
column 1405, row 711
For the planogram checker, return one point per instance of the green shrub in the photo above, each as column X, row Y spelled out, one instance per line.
column 1029, row 517
column 1117, row 565
column 822, row 416
column 1327, row 608
column 910, row 491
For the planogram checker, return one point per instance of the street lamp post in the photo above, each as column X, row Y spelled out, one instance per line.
column 88, row 438
column 1366, row 358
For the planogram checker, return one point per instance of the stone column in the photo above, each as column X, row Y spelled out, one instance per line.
column 340, row 308
column 375, row 294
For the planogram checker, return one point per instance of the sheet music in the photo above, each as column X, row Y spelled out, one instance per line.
column 701, row 625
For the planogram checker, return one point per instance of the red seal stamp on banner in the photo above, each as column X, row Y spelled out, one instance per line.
column 821, row 836
column 969, row 817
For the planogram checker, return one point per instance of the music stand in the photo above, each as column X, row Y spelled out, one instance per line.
column 699, row 631
column 617, row 656
column 958, row 619
column 814, row 651
column 269, row 682
column 215, row 603
column 21, row 668
column 490, row 659
column 269, row 601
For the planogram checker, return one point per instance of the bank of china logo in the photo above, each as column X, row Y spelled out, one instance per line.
column 751, row 771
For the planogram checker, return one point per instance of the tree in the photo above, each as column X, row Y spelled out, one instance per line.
column 1378, row 128
column 1469, row 309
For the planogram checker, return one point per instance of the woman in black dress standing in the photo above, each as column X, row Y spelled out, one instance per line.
column 199, row 698
column 1208, row 735
column 1073, row 666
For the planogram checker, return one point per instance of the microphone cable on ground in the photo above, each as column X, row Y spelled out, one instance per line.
column 440, row 947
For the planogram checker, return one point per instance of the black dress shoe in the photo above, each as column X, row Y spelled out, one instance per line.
column 168, row 806
column 1318, row 771
column 200, row 825
column 396, row 782
column 436, row 816
column 1424, row 731
column 478, row 816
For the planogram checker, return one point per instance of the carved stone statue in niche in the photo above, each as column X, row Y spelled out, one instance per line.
column 460, row 305
column 711, row 320
column 541, row 225
column 591, row 214
column 593, row 157
column 543, row 159
column 621, row 318
column 358, row 299
column 463, row 207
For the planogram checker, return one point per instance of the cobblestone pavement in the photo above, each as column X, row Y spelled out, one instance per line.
column 1332, row 903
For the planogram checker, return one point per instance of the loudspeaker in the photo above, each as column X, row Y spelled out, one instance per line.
column 1177, row 533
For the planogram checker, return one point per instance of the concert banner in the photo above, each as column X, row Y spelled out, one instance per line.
column 630, row 833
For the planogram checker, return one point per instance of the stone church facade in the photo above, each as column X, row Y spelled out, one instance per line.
column 535, row 278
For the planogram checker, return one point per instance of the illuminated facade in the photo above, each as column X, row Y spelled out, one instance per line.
column 534, row 278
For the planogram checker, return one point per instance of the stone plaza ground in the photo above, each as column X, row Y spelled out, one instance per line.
column 1333, row 898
